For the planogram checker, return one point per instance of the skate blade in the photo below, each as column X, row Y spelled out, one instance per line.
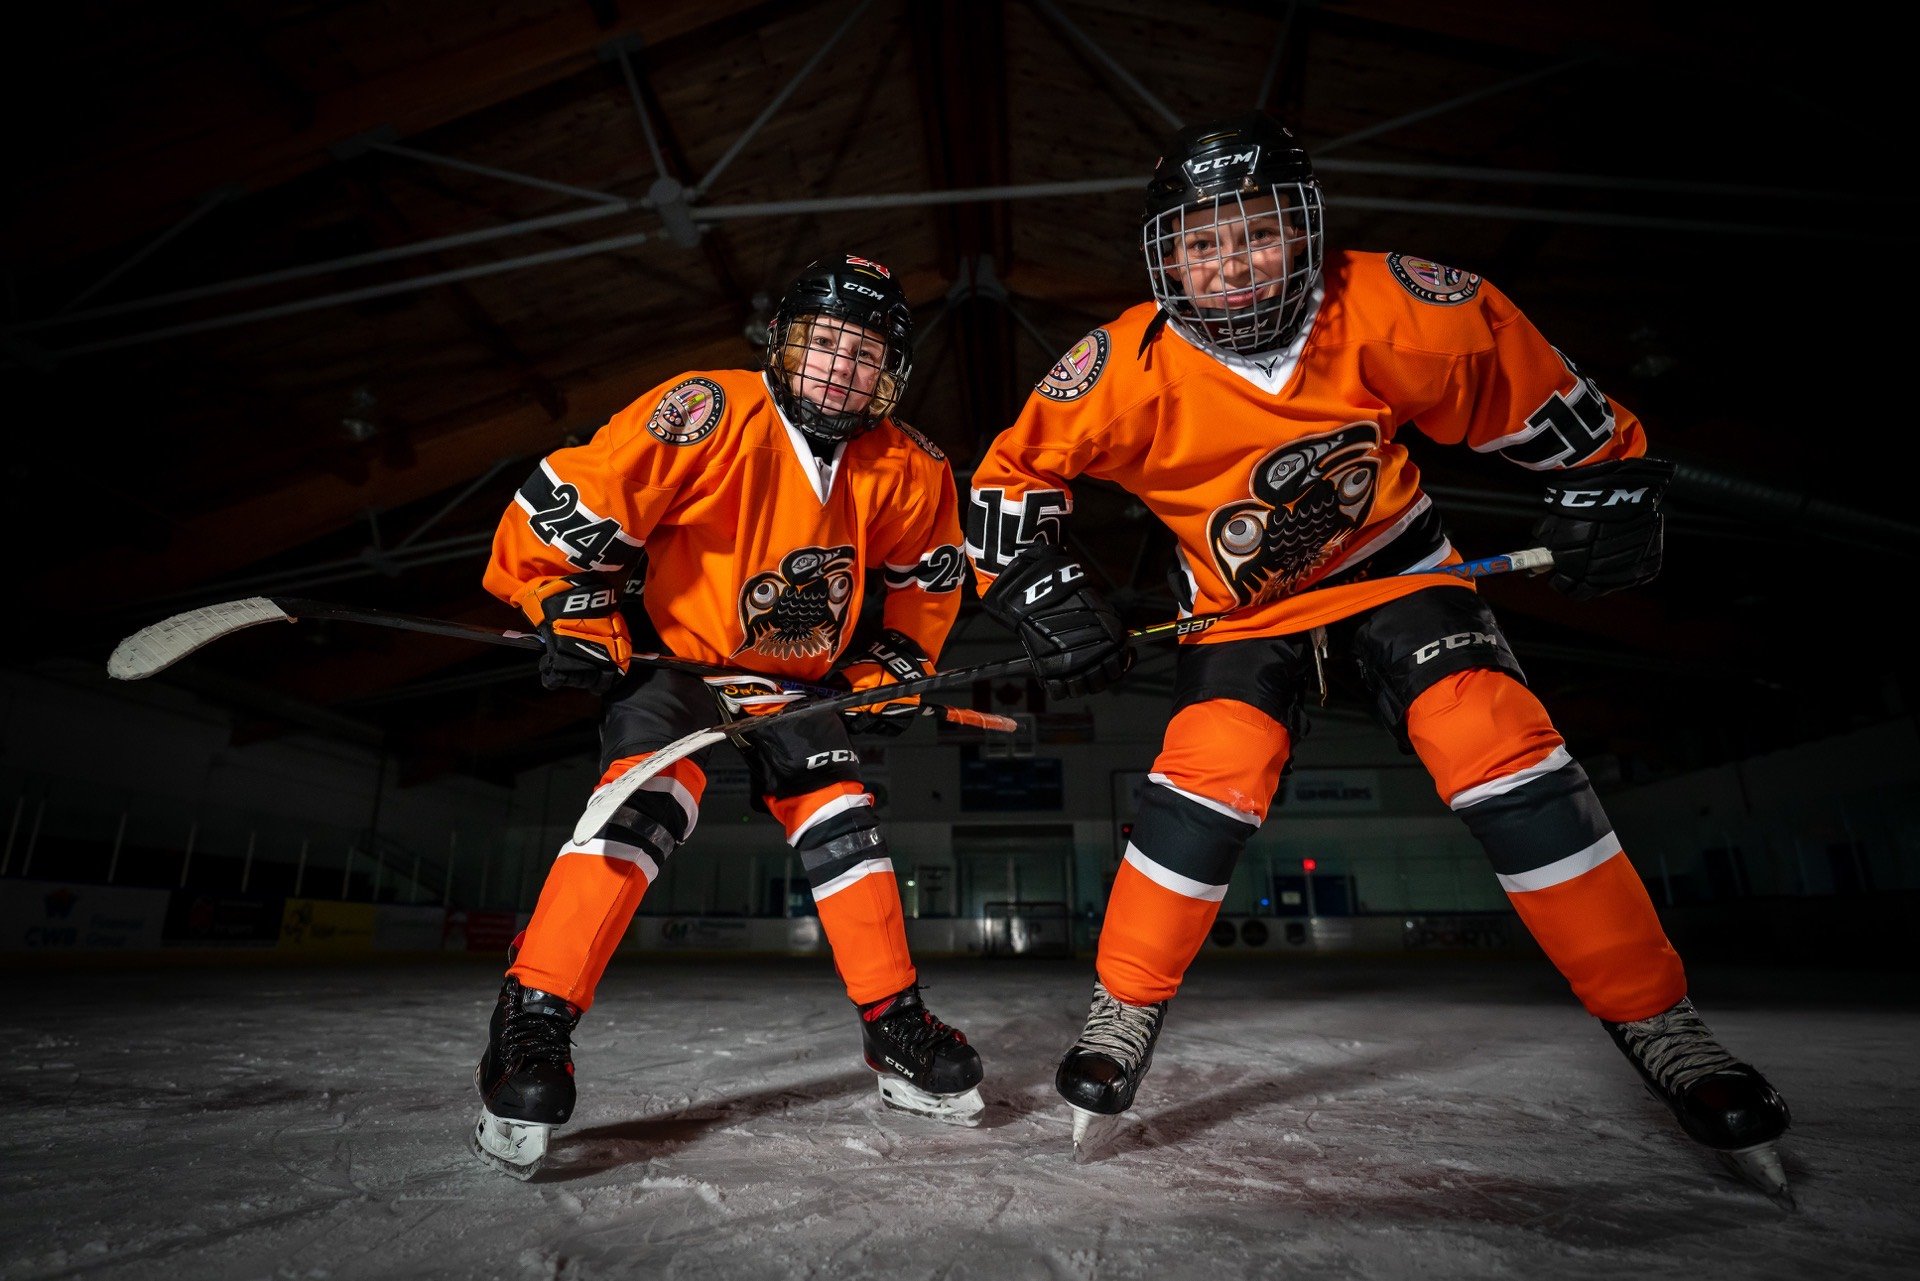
column 1092, row 1133
column 1760, row 1166
column 955, row 1109
column 517, row 1148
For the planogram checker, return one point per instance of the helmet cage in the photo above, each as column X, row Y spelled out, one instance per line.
column 807, row 396
column 1174, row 242
column 815, row 375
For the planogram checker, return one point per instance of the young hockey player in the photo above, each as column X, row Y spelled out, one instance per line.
column 759, row 499
column 1257, row 406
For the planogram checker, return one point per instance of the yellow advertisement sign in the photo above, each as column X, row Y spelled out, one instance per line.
column 322, row 925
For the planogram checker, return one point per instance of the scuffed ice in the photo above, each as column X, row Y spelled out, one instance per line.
column 1361, row 1118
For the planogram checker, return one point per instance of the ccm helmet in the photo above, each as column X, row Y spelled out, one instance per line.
column 1232, row 233
column 837, row 398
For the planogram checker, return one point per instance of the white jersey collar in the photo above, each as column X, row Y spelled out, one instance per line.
column 819, row 474
column 1267, row 370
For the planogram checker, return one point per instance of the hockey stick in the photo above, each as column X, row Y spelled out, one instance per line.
column 608, row 799
column 160, row 645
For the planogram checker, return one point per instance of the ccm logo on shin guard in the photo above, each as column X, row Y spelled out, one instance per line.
column 838, row 756
column 1459, row 640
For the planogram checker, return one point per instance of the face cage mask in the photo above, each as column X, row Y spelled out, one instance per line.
column 1264, row 323
column 811, row 407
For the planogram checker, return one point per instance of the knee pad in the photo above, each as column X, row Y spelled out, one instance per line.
column 1476, row 728
column 1406, row 646
column 839, row 849
column 1227, row 752
column 653, row 822
column 1187, row 844
column 790, row 761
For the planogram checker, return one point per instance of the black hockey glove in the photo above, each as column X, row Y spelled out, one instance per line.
column 588, row 644
column 895, row 657
column 1077, row 643
column 1604, row 525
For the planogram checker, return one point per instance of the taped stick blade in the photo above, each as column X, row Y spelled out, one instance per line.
column 156, row 647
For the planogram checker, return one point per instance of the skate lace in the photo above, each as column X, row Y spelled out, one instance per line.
column 534, row 1036
column 1676, row 1048
column 918, row 1031
column 1123, row 1032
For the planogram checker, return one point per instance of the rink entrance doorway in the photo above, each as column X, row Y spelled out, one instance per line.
column 1017, row 880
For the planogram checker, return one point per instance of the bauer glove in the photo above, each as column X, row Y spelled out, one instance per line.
column 586, row 637
column 895, row 657
column 1076, row 641
column 1604, row 525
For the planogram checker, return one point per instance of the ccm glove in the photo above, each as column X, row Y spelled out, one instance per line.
column 895, row 657
column 1604, row 525
column 1076, row 641
column 588, row 644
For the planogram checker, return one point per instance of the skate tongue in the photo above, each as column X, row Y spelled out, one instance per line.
column 906, row 1000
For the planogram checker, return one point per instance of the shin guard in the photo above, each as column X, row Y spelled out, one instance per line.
column 1210, row 789
column 595, row 886
column 1499, row 764
column 854, row 889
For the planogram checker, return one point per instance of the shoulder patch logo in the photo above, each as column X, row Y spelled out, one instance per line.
column 689, row 412
column 1432, row 282
column 1075, row 373
column 919, row 438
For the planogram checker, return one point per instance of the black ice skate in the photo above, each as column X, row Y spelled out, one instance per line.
column 1104, row 1068
column 525, row 1078
column 924, row 1066
column 1719, row 1101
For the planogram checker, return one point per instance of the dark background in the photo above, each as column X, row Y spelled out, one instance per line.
column 1691, row 201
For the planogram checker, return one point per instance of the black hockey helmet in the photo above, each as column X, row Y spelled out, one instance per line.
column 1221, row 193
column 851, row 291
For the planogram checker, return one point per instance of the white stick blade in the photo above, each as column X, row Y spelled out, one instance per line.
column 606, row 802
column 159, row 646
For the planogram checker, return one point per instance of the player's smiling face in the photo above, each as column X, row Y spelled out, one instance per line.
column 839, row 366
column 1231, row 255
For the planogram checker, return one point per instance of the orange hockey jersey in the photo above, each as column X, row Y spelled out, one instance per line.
column 1283, row 476
column 755, row 552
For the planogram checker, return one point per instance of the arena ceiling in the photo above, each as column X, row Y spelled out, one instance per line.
column 299, row 292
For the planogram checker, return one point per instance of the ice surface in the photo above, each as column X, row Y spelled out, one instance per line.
column 1445, row 1117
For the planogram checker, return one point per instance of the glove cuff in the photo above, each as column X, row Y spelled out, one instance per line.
column 1622, row 490
column 582, row 596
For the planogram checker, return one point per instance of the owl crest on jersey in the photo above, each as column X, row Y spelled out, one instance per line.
column 1307, row 499
column 800, row 609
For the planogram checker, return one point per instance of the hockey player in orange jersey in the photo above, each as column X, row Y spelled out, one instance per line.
column 756, row 501
column 1258, row 407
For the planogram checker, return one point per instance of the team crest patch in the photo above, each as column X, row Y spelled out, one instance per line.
column 689, row 412
column 1075, row 373
column 919, row 438
column 1424, row 278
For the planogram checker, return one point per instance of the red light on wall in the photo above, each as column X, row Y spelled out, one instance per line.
column 1307, row 864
